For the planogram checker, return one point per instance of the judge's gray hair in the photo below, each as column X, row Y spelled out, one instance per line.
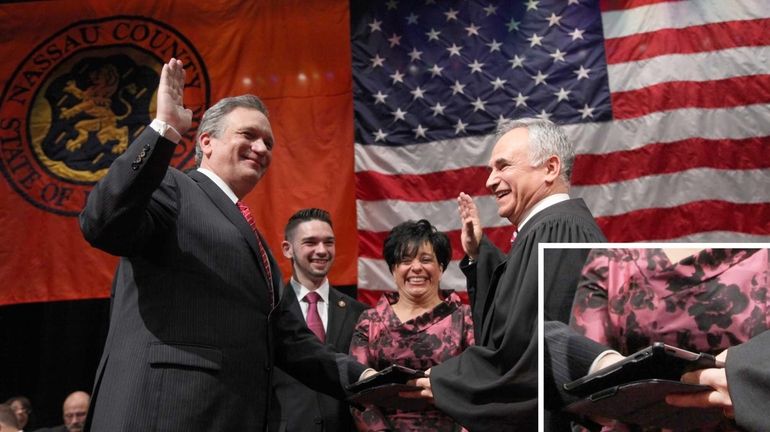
column 546, row 138
column 212, row 118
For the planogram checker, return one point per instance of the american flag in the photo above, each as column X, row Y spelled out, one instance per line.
column 668, row 103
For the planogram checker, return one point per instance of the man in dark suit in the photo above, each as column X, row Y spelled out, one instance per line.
column 493, row 385
column 310, row 245
column 195, row 325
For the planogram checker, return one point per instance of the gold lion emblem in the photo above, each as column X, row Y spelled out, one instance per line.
column 95, row 101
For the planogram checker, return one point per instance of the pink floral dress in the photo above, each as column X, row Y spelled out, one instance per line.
column 381, row 339
column 629, row 298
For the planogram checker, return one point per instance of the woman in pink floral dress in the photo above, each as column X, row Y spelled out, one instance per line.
column 417, row 327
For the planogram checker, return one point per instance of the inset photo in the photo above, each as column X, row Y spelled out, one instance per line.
column 658, row 336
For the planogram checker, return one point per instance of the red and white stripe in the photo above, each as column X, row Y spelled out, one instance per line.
column 687, row 157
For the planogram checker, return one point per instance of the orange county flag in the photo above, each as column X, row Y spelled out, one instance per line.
column 78, row 84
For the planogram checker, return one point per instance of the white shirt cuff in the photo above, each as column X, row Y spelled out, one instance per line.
column 166, row 131
column 599, row 357
column 365, row 372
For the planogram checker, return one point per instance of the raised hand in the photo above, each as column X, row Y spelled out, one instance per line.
column 471, row 225
column 171, row 97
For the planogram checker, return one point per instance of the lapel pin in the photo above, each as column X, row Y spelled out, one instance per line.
column 341, row 303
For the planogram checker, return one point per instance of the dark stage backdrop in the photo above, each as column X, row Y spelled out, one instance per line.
column 49, row 350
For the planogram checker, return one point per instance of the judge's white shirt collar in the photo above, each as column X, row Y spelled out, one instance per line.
column 540, row 206
column 219, row 182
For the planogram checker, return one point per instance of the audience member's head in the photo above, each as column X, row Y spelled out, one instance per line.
column 22, row 408
column 75, row 410
column 8, row 421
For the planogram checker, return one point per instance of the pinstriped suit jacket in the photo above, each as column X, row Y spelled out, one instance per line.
column 567, row 357
column 192, row 337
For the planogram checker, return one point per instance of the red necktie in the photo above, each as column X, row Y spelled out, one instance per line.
column 314, row 322
column 262, row 252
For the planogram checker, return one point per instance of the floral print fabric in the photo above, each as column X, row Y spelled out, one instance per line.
column 380, row 339
column 629, row 298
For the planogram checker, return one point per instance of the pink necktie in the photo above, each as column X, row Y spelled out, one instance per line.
column 262, row 252
column 314, row 322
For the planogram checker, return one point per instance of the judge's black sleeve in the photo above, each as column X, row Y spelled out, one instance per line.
column 748, row 380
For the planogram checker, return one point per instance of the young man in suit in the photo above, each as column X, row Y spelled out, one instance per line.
column 196, row 324
column 310, row 245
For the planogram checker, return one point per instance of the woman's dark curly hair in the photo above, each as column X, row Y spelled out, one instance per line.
column 405, row 239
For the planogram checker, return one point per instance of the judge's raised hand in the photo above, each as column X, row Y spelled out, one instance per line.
column 471, row 225
column 171, row 97
column 718, row 397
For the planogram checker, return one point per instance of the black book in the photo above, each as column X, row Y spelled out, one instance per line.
column 634, row 390
column 382, row 389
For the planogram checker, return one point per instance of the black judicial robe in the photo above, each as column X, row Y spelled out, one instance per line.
column 748, row 381
column 493, row 385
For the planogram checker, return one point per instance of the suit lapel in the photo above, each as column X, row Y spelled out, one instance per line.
column 276, row 283
column 290, row 296
column 231, row 212
column 337, row 315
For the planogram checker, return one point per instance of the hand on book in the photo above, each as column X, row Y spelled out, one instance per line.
column 719, row 397
column 424, row 383
column 386, row 387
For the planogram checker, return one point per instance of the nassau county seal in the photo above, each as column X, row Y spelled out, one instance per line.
column 80, row 98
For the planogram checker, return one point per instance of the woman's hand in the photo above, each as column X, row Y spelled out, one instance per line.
column 719, row 397
column 425, row 393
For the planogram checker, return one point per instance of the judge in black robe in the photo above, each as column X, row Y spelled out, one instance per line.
column 493, row 386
